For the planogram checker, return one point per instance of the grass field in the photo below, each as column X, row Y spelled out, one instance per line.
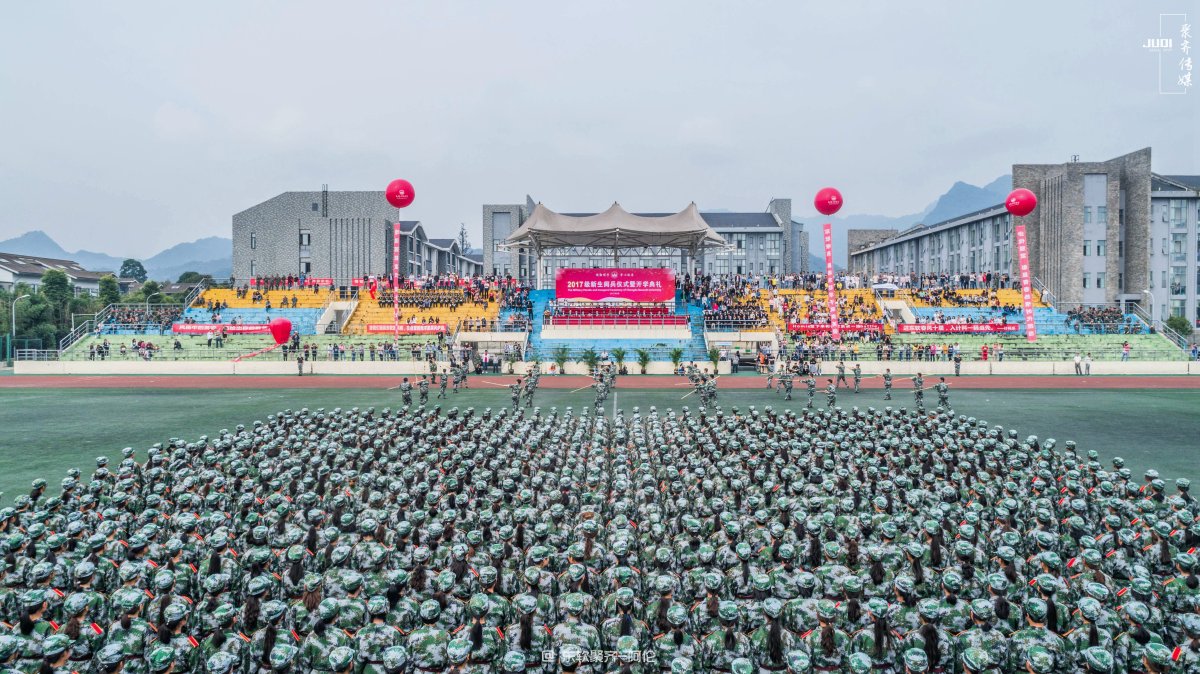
column 43, row 433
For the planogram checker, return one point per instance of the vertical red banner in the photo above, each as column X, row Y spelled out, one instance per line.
column 1026, row 282
column 831, row 285
column 396, row 281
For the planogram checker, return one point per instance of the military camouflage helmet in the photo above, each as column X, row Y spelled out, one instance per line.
column 976, row 659
column 458, row 650
column 513, row 662
column 1040, row 659
column 683, row 665
column 741, row 666
column 395, row 658
column 9, row 645
column 915, row 660
column 55, row 645
column 282, row 656
column 341, row 657
column 1098, row 660
column 570, row 655
column 1157, row 654
column 161, row 659
column 108, row 656
column 222, row 662
column 859, row 663
column 430, row 610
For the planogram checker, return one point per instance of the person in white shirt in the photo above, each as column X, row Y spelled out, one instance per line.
column 1078, row 366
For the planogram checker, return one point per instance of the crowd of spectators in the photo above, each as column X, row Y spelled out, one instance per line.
column 1103, row 320
column 156, row 317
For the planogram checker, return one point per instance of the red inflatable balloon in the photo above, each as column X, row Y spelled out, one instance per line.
column 400, row 193
column 1021, row 202
column 828, row 201
column 281, row 329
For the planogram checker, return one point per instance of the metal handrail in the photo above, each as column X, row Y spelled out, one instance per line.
column 195, row 292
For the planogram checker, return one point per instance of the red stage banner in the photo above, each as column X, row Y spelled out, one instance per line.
column 1026, row 282
column 957, row 328
column 831, row 284
column 829, row 327
column 201, row 328
column 621, row 285
column 408, row 328
column 314, row 281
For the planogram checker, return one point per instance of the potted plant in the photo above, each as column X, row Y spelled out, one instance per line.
column 618, row 355
column 643, row 359
column 560, row 356
column 676, row 358
column 714, row 357
column 590, row 358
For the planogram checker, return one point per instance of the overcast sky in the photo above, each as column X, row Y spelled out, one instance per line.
column 131, row 126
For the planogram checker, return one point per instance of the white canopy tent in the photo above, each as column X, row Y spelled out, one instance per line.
column 615, row 229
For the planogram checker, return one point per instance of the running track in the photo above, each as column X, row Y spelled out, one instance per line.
column 479, row 382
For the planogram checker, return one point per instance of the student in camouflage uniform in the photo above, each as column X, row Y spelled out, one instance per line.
column 887, row 384
column 943, row 391
column 442, row 384
column 406, row 391
column 423, row 389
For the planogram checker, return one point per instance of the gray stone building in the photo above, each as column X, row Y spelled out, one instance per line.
column 1103, row 233
column 340, row 235
column 767, row 242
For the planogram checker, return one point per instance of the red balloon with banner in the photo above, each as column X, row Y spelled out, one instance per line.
column 281, row 329
column 829, row 201
column 1021, row 202
column 400, row 193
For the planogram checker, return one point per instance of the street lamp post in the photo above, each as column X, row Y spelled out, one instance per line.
column 146, row 317
column 1151, row 312
column 12, row 338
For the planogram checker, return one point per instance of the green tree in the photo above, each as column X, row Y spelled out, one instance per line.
column 618, row 355
column 676, row 357
column 589, row 357
column 194, row 277
column 150, row 288
column 110, row 291
column 560, row 356
column 1180, row 324
column 643, row 359
column 464, row 241
column 56, row 287
column 133, row 269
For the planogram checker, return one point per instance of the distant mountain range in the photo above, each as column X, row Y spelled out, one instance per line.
column 212, row 255
column 960, row 199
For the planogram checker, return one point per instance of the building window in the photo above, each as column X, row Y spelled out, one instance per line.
column 1178, row 218
column 305, row 238
column 306, row 267
column 1087, row 245
column 1178, row 248
column 253, row 241
column 1120, row 216
column 1101, row 247
column 1120, row 281
column 1100, row 279
column 1087, row 280
column 1177, row 307
column 316, row 207
column 251, row 268
column 1102, row 215
column 1120, row 248
column 1178, row 280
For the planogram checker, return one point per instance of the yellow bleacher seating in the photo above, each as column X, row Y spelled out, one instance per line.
column 305, row 298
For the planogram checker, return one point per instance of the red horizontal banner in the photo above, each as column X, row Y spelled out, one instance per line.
column 828, row 327
column 201, row 328
column 606, row 285
column 409, row 328
column 957, row 328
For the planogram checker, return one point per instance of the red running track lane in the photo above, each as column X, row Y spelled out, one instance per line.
column 479, row 382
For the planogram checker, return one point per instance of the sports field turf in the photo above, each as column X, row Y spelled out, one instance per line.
column 45, row 432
